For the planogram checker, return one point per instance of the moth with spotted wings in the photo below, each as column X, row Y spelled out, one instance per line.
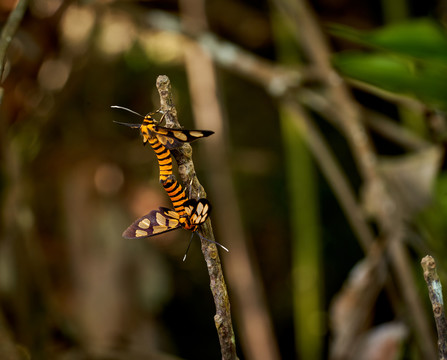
column 187, row 213
column 196, row 212
column 164, row 219
column 162, row 139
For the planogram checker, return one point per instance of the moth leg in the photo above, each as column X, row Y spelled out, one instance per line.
column 158, row 111
column 189, row 244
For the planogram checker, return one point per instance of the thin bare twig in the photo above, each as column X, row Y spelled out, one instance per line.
column 394, row 132
column 183, row 156
column 8, row 349
column 435, row 293
column 9, row 30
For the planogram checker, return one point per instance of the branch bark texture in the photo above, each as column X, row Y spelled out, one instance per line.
column 435, row 293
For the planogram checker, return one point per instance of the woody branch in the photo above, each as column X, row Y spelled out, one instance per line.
column 183, row 156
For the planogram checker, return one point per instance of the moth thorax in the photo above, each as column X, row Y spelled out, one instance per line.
column 145, row 133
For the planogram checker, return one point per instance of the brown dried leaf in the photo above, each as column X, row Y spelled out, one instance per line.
column 351, row 309
column 383, row 342
column 408, row 179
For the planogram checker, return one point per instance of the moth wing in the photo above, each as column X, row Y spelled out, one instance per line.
column 154, row 223
column 198, row 211
column 174, row 138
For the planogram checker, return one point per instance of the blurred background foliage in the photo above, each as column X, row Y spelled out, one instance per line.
column 71, row 180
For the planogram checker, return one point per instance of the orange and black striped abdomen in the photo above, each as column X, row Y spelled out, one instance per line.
column 163, row 157
column 162, row 153
column 191, row 212
column 177, row 195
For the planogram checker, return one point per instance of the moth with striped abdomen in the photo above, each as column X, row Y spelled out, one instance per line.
column 162, row 139
column 196, row 212
column 188, row 213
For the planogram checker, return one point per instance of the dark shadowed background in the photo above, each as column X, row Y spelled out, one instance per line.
column 71, row 180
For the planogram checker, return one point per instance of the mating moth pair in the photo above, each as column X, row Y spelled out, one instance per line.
column 187, row 213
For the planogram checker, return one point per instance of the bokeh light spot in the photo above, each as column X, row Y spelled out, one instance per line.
column 53, row 74
column 109, row 178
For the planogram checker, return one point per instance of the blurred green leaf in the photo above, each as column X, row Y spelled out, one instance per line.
column 431, row 222
column 424, row 80
column 420, row 39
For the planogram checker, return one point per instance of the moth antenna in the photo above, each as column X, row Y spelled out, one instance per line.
column 124, row 108
column 214, row 242
column 135, row 126
column 187, row 249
